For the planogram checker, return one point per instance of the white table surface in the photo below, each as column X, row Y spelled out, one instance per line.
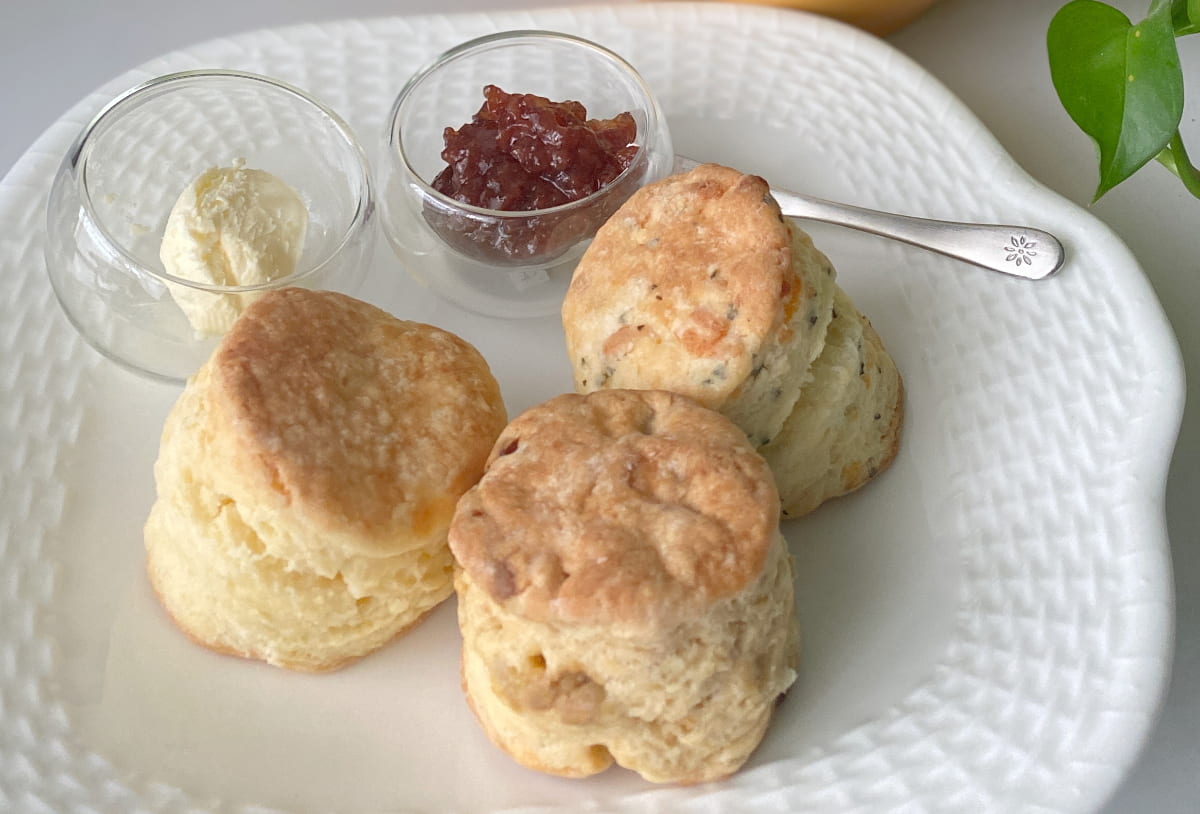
column 991, row 54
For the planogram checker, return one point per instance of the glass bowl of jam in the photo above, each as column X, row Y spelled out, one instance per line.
column 502, row 159
column 190, row 195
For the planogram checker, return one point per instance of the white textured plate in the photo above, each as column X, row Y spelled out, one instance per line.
column 987, row 626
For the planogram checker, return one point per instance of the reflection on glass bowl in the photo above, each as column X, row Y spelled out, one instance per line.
column 110, row 201
column 495, row 262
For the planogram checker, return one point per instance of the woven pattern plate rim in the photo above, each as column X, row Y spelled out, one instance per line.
column 1066, row 404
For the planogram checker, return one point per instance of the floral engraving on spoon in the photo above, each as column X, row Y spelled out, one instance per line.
column 1021, row 250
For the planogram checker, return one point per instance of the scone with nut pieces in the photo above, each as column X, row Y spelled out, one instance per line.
column 700, row 286
column 307, row 476
column 624, row 593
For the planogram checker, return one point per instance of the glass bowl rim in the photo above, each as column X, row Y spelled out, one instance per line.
column 77, row 160
column 395, row 148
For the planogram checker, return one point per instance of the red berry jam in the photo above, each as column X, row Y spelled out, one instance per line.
column 522, row 152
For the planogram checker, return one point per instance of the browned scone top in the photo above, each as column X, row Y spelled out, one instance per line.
column 684, row 287
column 628, row 508
column 365, row 426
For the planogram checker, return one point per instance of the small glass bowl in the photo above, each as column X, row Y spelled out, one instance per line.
column 119, row 181
column 463, row 252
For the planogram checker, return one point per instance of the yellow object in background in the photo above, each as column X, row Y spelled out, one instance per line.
column 880, row 17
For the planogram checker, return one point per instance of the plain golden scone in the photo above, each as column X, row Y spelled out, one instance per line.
column 698, row 285
column 307, row 477
column 624, row 592
column 845, row 429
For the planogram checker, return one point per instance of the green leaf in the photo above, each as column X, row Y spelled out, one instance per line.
column 1121, row 83
column 1175, row 158
column 1185, row 16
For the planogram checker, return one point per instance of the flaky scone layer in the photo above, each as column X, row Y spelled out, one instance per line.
column 845, row 428
column 227, row 592
column 686, row 706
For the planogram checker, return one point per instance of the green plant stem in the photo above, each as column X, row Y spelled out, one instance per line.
column 1175, row 158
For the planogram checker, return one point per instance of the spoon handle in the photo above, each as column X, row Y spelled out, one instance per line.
column 1019, row 251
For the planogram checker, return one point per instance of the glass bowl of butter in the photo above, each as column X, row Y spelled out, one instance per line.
column 189, row 196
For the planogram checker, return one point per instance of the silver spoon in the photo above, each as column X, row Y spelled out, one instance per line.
column 1016, row 250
